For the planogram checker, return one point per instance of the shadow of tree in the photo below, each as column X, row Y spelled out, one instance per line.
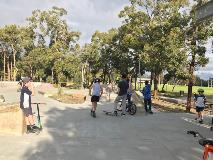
column 73, row 134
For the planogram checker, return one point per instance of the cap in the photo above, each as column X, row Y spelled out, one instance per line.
column 26, row 79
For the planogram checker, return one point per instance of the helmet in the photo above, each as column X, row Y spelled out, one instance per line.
column 97, row 80
column 200, row 90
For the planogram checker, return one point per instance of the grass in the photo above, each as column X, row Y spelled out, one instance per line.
column 168, row 88
column 178, row 88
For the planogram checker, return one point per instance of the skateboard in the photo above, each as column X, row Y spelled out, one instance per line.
column 110, row 113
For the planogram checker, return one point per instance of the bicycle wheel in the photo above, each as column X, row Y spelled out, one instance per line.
column 132, row 109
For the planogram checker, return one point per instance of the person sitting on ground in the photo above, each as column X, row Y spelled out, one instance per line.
column 200, row 101
column 25, row 103
column 97, row 91
column 122, row 94
column 147, row 97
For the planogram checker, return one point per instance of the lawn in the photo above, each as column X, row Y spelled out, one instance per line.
column 168, row 88
column 178, row 88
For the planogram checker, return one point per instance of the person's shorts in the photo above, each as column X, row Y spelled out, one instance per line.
column 95, row 99
column 27, row 111
column 199, row 109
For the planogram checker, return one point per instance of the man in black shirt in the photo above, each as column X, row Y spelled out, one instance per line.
column 122, row 94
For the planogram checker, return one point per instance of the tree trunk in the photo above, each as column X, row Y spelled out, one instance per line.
column 8, row 70
column 52, row 74
column 11, row 71
column 191, row 73
column 4, row 65
column 190, row 85
column 155, row 85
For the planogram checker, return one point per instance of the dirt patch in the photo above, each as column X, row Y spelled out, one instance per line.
column 164, row 106
column 9, row 108
column 75, row 98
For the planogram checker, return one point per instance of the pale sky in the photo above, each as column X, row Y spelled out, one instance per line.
column 85, row 16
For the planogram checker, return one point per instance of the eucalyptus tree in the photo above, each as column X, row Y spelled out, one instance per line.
column 11, row 38
column 197, row 34
column 90, row 57
column 52, row 33
column 159, row 25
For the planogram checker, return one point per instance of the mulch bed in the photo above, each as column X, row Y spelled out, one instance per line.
column 70, row 98
column 164, row 106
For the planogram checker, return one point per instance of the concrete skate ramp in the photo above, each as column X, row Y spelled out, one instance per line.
column 11, row 119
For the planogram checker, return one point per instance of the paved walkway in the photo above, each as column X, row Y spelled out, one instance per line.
column 71, row 133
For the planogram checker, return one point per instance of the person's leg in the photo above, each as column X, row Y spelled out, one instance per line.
column 145, row 105
column 197, row 115
column 123, row 104
column 93, row 106
column 27, row 123
column 117, row 99
column 201, row 115
column 149, row 102
column 31, row 120
column 129, row 97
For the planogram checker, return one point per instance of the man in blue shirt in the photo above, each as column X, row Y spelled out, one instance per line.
column 147, row 97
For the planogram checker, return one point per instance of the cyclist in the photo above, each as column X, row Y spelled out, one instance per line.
column 200, row 101
column 122, row 94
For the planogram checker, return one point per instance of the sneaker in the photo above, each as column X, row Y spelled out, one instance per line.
column 94, row 114
column 201, row 121
column 35, row 127
column 115, row 113
column 196, row 118
column 123, row 114
column 91, row 113
column 151, row 112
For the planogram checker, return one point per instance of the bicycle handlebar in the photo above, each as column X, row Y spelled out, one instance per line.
column 38, row 103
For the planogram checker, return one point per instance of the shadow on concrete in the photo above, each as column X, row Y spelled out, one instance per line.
column 74, row 134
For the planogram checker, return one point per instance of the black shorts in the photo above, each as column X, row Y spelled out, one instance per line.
column 199, row 109
column 27, row 111
column 95, row 98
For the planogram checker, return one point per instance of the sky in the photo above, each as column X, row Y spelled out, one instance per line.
column 85, row 16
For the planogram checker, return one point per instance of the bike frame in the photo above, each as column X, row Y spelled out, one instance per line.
column 207, row 149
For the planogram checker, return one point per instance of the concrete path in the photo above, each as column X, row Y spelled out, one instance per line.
column 71, row 133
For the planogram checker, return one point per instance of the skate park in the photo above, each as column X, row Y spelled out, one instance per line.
column 70, row 132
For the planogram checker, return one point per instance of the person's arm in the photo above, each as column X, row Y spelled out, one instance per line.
column 27, row 91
